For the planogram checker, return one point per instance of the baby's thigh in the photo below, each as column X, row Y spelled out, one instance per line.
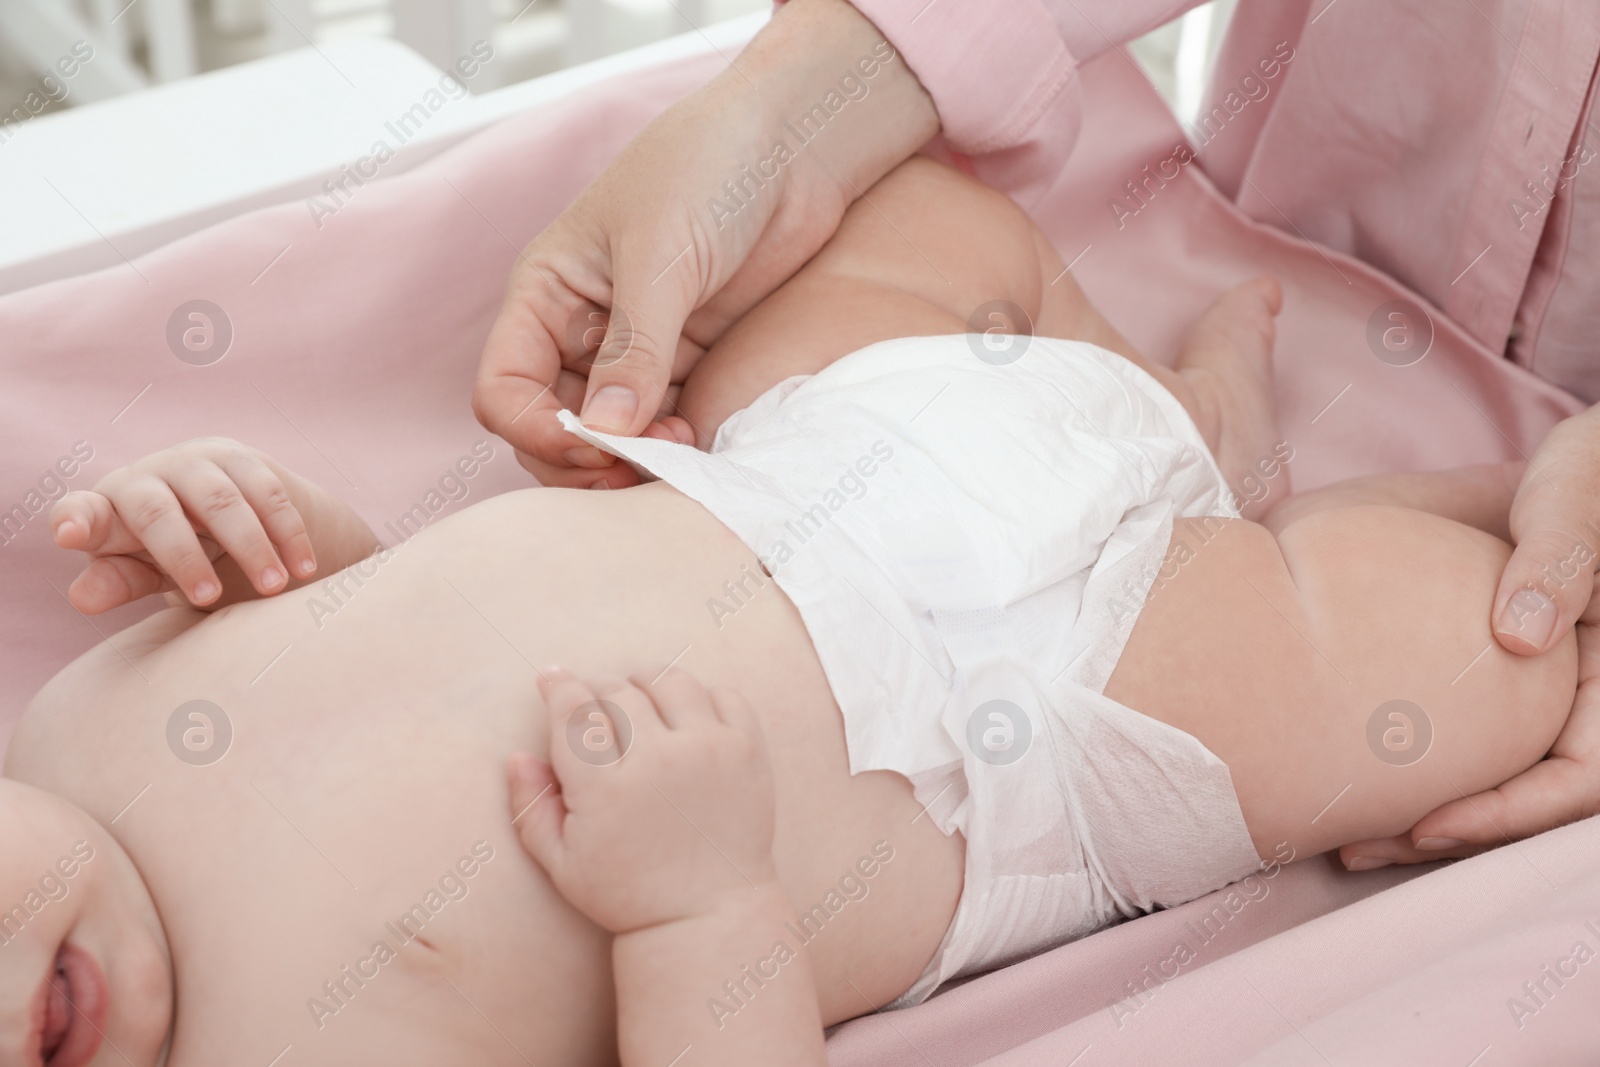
column 1344, row 671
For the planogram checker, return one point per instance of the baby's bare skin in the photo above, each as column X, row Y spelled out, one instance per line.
column 369, row 754
column 382, row 738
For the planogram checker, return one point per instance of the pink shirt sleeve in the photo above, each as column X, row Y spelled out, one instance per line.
column 1003, row 73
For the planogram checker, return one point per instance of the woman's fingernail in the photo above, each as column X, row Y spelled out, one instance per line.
column 271, row 578
column 205, row 591
column 1434, row 844
column 611, row 409
column 1529, row 617
column 1366, row 863
column 586, row 456
column 308, row 565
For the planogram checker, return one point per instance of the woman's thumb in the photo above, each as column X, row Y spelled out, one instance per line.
column 1545, row 587
column 633, row 367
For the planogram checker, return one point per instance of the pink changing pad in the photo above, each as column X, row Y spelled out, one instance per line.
column 351, row 358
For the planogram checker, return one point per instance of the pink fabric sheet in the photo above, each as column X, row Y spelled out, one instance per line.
column 352, row 359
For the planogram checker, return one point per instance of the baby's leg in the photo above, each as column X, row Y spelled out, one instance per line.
column 1341, row 664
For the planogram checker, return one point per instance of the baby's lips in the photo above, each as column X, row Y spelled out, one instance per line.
column 88, row 1005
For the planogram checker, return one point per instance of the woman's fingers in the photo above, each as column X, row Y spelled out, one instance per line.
column 1552, row 792
column 655, row 289
column 616, row 476
column 1555, row 520
column 1370, row 855
column 1561, row 788
column 543, row 332
column 672, row 428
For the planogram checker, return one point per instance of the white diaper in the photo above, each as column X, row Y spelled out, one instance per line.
column 969, row 545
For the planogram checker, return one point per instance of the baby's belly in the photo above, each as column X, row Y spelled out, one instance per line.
column 388, row 707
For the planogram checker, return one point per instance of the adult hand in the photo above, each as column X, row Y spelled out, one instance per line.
column 1547, row 587
column 1562, row 787
column 1548, row 583
column 694, row 222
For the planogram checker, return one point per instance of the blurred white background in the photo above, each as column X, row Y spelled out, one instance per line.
column 139, row 43
column 126, row 124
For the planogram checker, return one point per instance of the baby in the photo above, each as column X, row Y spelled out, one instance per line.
column 965, row 655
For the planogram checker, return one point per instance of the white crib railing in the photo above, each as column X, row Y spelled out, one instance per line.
column 138, row 43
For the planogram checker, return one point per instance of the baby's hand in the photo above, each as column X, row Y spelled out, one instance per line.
column 656, row 805
column 163, row 522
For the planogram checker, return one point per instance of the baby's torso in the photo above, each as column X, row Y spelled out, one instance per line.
column 327, row 836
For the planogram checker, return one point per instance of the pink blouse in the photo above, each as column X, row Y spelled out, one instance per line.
column 1446, row 143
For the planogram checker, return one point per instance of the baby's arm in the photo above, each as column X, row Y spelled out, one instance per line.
column 669, row 846
column 210, row 521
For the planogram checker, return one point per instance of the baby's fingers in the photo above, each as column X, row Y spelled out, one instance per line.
column 225, row 508
column 538, row 812
column 148, row 516
column 679, row 698
column 270, row 499
column 112, row 581
column 85, row 521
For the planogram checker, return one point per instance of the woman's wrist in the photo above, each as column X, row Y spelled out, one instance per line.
column 830, row 86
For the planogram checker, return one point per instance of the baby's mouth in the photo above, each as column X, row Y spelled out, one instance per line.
column 77, row 1003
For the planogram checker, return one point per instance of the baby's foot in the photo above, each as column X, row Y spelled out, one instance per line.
column 1227, row 361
